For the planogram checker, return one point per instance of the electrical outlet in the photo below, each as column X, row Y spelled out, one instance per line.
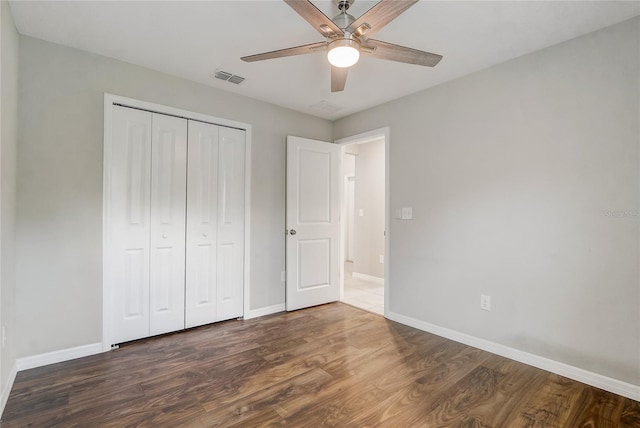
column 381, row 259
column 360, row 212
column 485, row 302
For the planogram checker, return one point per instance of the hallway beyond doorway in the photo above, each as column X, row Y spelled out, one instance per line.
column 363, row 294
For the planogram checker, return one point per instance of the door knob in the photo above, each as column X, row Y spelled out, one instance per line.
column 164, row 236
column 292, row 232
column 204, row 235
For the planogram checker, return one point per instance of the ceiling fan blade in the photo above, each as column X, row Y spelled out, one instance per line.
column 338, row 78
column 298, row 50
column 315, row 17
column 378, row 16
column 391, row 52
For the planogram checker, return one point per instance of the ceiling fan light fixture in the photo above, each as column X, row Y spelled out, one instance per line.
column 343, row 52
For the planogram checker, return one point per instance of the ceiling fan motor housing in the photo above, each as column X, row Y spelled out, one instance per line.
column 343, row 20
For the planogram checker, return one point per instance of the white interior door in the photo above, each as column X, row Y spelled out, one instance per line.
column 202, row 224
column 168, row 199
column 230, row 266
column 173, row 244
column 215, row 224
column 313, row 223
column 127, row 249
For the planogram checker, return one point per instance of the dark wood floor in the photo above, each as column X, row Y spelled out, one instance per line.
column 332, row 365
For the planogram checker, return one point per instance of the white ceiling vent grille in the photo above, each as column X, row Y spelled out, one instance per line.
column 223, row 75
column 236, row 79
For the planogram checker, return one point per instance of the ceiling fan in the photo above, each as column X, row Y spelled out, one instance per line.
column 348, row 37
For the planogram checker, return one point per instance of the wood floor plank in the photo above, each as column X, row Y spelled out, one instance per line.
column 551, row 404
column 328, row 366
column 596, row 408
column 429, row 390
column 630, row 414
column 305, row 384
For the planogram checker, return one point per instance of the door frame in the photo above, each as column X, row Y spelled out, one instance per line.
column 362, row 138
column 109, row 101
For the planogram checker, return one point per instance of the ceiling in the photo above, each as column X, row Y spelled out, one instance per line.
column 193, row 39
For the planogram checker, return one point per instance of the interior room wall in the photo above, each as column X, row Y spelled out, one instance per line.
column 524, row 182
column 8, row 144
column 59, row 228
column 369, row 197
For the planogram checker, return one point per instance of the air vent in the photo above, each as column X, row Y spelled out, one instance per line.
column 223, row 75
column 236, row 79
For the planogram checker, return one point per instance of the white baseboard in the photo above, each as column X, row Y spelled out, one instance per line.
column 369, row 278
column 255, row 313
column 40, row 360
column 599, row 381
column 6, row 389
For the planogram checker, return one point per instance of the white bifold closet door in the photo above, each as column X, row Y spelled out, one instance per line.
column 147, row 223
column 175, row 223
column 168, row 199
column 215, row 224
column 129, row 223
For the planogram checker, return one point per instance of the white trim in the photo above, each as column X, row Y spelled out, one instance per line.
column 106, row 170
column 59, row 356
column 109, row 100
column 163, row 109
column 369, row 278
column 247, row 222
column 6, row 390
column 599, row 381
column 268, row 310
column 362, row 138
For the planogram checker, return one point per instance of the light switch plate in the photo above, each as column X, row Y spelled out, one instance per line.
column 485, row 302
column 407, row 213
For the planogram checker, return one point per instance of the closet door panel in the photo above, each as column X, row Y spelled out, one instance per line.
column 202, row 220
column 230, row 272
column 128, row 223
column 168, row 199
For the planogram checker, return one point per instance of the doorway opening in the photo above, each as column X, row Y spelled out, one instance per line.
column 364, row 244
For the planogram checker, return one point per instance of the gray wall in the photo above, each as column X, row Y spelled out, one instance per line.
column 8, row 139
column 524, row 182
column 59, row 229
column 369, row 196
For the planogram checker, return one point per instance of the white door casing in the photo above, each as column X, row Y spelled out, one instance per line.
column 168, row 199
column 128, row 201
column 313, row 223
